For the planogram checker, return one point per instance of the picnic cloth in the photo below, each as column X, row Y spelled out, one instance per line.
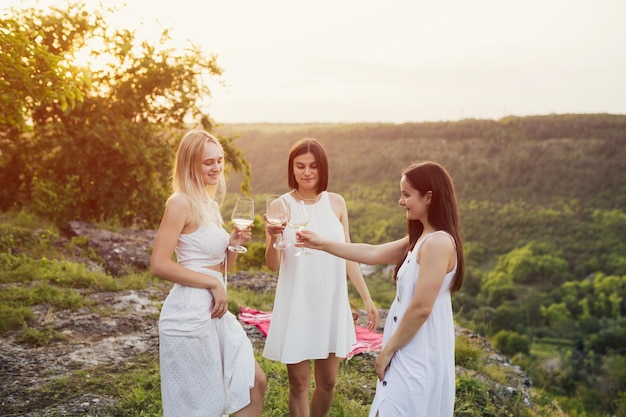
column 366, row 341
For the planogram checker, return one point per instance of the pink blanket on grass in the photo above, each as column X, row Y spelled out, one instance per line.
column 366, row 341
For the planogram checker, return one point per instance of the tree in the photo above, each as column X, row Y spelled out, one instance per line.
column 34, row 73
column 533, row 262
column 510, row 343
column 107, row 157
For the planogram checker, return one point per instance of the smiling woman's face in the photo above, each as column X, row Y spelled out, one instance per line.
column 415, row 204
column 212, row 163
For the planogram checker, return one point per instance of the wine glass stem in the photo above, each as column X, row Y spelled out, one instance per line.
column 301, row 247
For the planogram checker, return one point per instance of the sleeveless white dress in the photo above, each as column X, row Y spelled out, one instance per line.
column 207, row 365
column 420, row 380
column 311, row 317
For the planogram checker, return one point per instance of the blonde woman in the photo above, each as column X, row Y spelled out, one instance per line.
column 207, row 362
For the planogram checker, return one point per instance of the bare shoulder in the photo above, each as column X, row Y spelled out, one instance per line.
column 439, row 242
column 178, row 201
column 338, row 205
column 336, row 198
column 178, row 206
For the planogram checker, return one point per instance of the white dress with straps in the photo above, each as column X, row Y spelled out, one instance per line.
column 311, row 317
column 420, row 380
column 207, row 365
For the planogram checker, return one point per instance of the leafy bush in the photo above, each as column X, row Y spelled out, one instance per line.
column 511, row 343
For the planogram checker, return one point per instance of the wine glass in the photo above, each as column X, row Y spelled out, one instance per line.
column 277, row 212
column 242, row 217
column 298, row 219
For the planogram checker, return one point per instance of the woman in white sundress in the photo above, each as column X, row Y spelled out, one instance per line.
column 415, row 368
column 311, row 317
column 207, row 362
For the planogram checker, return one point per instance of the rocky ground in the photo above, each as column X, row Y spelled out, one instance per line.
column 119, row 327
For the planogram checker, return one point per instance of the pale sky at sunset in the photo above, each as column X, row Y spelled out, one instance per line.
column 399, row 60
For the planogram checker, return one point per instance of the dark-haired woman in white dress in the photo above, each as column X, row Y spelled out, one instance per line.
column 415, row 368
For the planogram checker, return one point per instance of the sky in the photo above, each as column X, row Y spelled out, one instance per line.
column 397, row 61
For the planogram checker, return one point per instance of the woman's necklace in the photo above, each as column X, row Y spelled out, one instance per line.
column 311, row 200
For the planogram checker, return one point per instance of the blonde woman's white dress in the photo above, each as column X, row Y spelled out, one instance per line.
column 207, row 365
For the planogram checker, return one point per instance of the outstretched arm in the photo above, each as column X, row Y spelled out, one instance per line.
column 385, row 253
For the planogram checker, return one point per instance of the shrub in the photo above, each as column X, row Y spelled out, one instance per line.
column 510, row 343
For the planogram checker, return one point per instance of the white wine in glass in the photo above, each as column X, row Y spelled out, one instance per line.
column 277, row 212
column 298, row 219
column 242, row 217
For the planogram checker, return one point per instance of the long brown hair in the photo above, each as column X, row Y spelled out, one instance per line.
column 442, row 212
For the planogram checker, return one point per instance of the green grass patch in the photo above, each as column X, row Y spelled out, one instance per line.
column 549, row 347
column 13, row 317
column 468, row 354
column 41, row 293
column 249, row 298
column 60, row 284
column 36, row 337
column 353, row 395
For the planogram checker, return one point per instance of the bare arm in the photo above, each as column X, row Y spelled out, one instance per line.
column 436, row 257
column 175, row 218
column 385, row 253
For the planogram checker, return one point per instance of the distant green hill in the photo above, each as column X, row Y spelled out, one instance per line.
column 518, row 179
column 538, row 159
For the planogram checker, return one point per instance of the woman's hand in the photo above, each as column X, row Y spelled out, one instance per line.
column 241, row 236
column 273, row 229
column 308, row 239
column 382, row 363
column 372, row 316
column 220, row 301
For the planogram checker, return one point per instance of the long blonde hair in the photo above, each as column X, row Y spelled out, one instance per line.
column 205, row 200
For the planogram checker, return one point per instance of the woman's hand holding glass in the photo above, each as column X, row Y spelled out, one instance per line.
column 298, row 219
column 276, row 216
column 243, row 218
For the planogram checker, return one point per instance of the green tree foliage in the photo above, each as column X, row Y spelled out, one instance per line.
column 34, row 73
column 532, row 263
column 559, row 319
column 511, row 343
column 510, row 316
column 108, row 156
column 591, row 313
